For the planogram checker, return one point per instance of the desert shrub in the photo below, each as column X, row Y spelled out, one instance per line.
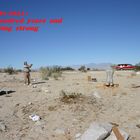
column 44, row 71
column 69, row 97
column 1, row 70
column 18, row 70
column 82, row 69
column 54, row 72
column 10, row 70
column 137, row 68
column 67, row 69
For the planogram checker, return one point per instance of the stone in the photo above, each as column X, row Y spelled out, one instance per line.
column 34, row 86
column 2, row 126
column 138, row 72
column 96, row 95
column 46, row 90
column 77, row 135
column 97, row 131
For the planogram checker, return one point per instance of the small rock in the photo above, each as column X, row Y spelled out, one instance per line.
column 45, row 90
column 78, row 135
column 34, row 86
column 96, row 95
column 60, row 131
column 2, row 127
column 30, row 103
column 138, row 72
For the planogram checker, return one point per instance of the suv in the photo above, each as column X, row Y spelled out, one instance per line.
column 124, row 67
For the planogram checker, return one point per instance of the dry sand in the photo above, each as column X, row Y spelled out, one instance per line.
column 61, row 120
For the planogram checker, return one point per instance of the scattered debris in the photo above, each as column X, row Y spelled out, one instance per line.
column 117, row 134
column 34, row 117
column 89, row 78
column 103, row 131
column 94, row 79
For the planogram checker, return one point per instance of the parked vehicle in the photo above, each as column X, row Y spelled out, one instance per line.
column 124, row 67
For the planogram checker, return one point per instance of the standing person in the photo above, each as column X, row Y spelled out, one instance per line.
column 27, row 71
column 109, row 76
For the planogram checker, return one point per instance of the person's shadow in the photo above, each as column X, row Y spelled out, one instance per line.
column 36, row 83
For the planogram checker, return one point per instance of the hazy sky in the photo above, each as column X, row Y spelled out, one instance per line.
column 92, row 31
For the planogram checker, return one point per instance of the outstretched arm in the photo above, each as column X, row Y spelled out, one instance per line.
column 28, row 66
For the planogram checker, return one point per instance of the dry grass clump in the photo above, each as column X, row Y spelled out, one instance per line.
column 47, row 72
column 70, row 97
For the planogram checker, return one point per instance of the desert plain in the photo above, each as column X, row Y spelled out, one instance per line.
column 62, row 118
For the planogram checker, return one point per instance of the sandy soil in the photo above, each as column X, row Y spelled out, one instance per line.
column 62, row 120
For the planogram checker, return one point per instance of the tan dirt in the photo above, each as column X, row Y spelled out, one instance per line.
column 63, row 120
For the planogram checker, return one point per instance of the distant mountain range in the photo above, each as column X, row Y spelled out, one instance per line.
column 93, row 66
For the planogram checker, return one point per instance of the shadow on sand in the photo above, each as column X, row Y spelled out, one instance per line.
column 36, row 83
column 6, row 93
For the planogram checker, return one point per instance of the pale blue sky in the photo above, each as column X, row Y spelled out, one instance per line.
column 93, row 31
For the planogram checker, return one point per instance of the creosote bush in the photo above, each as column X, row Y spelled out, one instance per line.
column 82, row 69
column 10, row 70
column 47, row 72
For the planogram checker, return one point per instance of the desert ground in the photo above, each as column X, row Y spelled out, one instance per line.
column 63, row 119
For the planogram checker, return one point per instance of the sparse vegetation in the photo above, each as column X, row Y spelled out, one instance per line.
column 67, row 69
column 137, row 67
column 82, row 69
column 47, row 72
column 10, row 70
column 69, row 97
